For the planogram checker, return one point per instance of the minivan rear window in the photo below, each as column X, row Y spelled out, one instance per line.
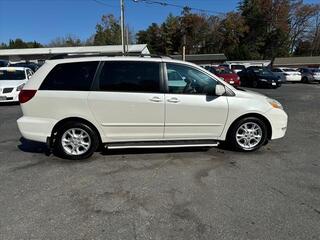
column 130, row 76
column 70, row 77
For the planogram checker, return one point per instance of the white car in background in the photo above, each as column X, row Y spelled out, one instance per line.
column 12, row 80
column 287, row 74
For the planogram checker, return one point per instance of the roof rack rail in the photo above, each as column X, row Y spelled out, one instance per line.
column 97, row 54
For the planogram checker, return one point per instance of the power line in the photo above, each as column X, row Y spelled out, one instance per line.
column 103, row 3
column 166, row 4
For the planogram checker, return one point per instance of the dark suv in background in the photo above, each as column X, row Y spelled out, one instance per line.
column 33, row 66
column 3, row 63
column 256, row 76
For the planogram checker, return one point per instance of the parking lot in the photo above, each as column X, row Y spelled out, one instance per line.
column 170, row 193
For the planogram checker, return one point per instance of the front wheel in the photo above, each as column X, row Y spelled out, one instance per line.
column 76, row 141
column 255, row 84
column 305, row 80
column 248, row 134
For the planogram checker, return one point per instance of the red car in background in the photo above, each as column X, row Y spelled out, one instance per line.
column 226, row 74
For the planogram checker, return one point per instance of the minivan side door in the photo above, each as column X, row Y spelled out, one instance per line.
column 127, row 102
column 191, row 112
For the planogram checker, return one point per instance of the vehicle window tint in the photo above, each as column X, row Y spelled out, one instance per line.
column 289, row 70
column 70, row 77
column 12, row 74
column 188, row 80
column 129, row 76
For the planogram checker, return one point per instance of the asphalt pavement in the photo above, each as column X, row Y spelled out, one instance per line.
column 273, row 193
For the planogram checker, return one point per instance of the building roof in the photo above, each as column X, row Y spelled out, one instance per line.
column 202, row 57
column 289, row 61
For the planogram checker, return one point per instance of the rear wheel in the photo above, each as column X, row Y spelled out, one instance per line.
column 248, row 134
column 75, row 141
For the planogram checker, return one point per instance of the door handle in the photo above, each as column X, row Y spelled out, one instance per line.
column 173, row 100
column 155, row 99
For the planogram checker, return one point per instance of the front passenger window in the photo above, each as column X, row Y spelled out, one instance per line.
column 187, row 80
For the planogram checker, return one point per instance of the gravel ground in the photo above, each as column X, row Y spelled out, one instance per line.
column 273, row 193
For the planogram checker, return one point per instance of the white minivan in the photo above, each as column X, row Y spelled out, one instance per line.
column 76, row 105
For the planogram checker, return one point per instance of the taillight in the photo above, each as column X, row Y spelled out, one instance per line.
column 25, row 95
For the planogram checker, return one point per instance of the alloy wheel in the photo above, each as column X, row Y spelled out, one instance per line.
column 75, row 141
column 249, row 135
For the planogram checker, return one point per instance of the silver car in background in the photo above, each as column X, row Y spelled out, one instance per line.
column 310, row 75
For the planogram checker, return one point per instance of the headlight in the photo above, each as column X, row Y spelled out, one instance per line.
column 274, row 103
column 19, row 88
column 263, row 80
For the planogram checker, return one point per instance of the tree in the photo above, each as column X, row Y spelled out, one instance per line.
column 195, row 27
column 19, row 43
column 68, row 41
column 108, row 31
column 268, row 27
column 300, row 19
column 153, row 37
column 233, row 30
column 171, row 35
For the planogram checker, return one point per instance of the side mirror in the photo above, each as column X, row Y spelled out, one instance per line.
column 220, row 90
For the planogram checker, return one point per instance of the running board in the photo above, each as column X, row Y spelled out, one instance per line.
column 163, row 144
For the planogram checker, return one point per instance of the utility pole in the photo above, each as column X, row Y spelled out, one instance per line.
column 127, row 37
column 122, row 27
column 184, row 43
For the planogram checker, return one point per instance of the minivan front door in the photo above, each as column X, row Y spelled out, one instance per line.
column 126, row 101
column 190, row 112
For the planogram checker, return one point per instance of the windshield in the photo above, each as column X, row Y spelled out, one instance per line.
column 315, row 70
column 289, row 70
column 12, row 75
column 238, row 67
column 222, row 71
column 262, row 71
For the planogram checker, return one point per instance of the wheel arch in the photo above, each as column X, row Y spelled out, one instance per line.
column 257, row 115
column 62, row 122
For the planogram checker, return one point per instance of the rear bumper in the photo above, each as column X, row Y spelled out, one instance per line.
column 36, row 129
column 279, row 121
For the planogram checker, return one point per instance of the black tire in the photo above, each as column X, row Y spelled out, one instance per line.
column 231, row 137
column 255, row 84
column 305, row 80
column 59, row 150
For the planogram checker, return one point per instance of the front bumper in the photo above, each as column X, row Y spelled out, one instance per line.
column 9, row 97
column 269, row 84
column 36, row 129
column 234, row 83
column 316, row 78
column 279, row 122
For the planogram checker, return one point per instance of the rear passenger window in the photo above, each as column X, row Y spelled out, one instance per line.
column 70, row 77
column 126, row 76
